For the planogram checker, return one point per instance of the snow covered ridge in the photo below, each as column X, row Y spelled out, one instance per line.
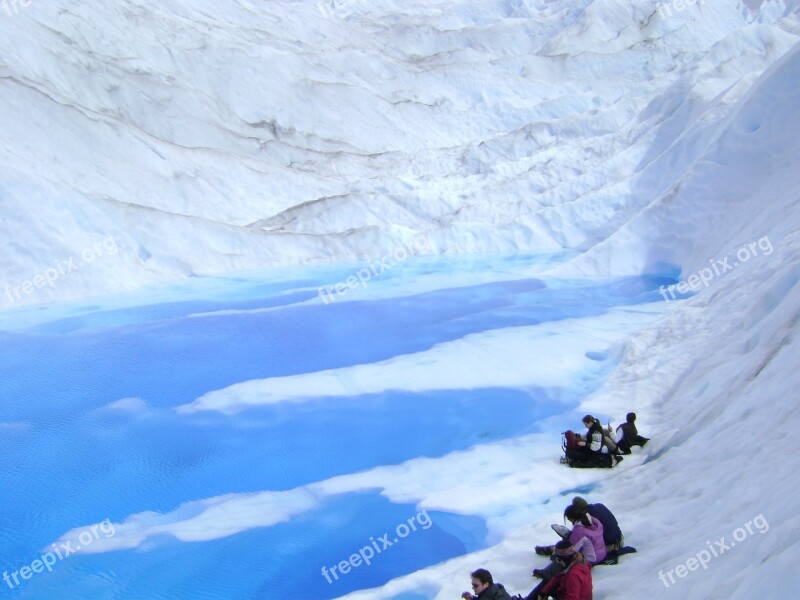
column 272, row 134
column 341, row 8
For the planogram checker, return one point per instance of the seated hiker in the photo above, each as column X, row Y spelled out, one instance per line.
column 589, row 448
column 612, row 535
column 484, row 587
column 629, row 435
column 585, row 527
column 586, row 536
column 574, row 582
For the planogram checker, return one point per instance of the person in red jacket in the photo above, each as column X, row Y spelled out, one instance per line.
column 574, row 582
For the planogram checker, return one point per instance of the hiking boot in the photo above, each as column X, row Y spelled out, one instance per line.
column 544, row 550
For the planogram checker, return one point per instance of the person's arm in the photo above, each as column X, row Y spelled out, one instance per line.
column 468, row 596
column 548, row 587
column 581, row 545
column 579, row 538
column 576, row 536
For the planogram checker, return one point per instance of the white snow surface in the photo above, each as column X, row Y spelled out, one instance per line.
column 208, row 137
column 496, row 358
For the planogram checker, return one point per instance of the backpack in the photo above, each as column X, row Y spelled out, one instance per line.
column 609, row 442
column 569, row 440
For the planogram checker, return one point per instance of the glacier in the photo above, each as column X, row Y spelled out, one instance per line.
column 191, row 165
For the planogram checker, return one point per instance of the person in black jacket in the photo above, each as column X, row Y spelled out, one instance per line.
column 590, row 446
column 485, row 588
column 630, row 435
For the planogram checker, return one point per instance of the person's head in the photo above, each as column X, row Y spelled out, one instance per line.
column 564, row 552
column 588, row 420
column 581, row 505
column 481, row 579
column 574, row 515
column 630, row 418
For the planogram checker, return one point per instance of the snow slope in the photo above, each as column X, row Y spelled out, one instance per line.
column 209, row 137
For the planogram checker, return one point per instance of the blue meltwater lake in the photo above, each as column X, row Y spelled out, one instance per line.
column 251, row 497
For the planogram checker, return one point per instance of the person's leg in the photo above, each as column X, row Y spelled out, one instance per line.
column 551, row 570
column 534, row 595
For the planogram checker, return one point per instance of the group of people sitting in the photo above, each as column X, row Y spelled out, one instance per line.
column 595, row 538
column 598, row 448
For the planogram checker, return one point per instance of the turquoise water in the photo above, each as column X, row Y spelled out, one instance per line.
column 67, row 460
